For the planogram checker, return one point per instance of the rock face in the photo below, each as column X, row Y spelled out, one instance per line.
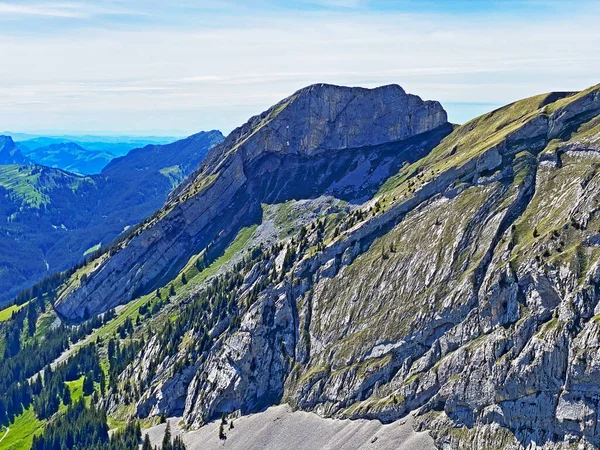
column 297, row 149
column 10, row 154
column 463, row 286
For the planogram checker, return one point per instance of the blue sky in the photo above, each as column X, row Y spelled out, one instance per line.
column 148, row 67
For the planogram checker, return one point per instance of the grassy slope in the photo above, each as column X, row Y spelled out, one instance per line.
column 22, row 431
column 26, row 425
column 7, row 313
column 22, row 183
column 471, row 140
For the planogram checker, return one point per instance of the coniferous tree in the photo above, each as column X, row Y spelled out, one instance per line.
column 66, row 395
column 166, row 442
column 102, row 384
column 88, row 384
column 146, row 445
column 178, row 444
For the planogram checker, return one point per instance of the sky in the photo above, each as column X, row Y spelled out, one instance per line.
column 151, row 67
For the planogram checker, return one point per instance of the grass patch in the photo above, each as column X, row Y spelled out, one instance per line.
column 76, row 388
column 173, row 174
column 7, row 313
column 21, row 433
column 92, row 249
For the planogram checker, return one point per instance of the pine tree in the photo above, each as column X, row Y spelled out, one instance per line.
column 102, row 384
column 166, row 442
column 178, row 444
column 146, row 445
column 88, row 384
column 31, row 318
column 66, row 395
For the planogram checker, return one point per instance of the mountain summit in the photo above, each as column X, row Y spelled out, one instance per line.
column 299, row 148
column 10, row 154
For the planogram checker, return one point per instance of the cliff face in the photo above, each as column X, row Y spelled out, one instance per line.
column 460, row 282
column 297, row 149
column 10, row 154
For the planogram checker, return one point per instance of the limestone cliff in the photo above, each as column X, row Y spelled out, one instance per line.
column 296, row 149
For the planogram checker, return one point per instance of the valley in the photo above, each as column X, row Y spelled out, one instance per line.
column 55, row 218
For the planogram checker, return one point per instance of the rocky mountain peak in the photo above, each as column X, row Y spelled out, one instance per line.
column 9, row 153
column 325, row 117
column 295, row 149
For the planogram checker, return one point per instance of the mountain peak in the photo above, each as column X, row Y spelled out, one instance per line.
column 325, row 117
column 296, row 149
column 327, row 87
column 9, row 153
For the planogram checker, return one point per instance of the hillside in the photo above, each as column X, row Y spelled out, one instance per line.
column 54, row 217
column 350, row 253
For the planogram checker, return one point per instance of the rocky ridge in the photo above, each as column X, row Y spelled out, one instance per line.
column 285, row 153
column 464, row 287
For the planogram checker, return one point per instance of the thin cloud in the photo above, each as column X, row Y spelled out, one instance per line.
column 43, row 10
column 62, row 10
column 216, row 76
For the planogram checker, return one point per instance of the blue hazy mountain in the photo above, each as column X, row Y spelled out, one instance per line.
column 69, row 156
column 117, row 145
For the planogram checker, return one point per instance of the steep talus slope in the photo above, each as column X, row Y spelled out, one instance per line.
column 300, row 148
column 53, row 217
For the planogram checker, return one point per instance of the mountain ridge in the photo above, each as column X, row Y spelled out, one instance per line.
column 452, row 273
column 70, row 157
column 269, row 131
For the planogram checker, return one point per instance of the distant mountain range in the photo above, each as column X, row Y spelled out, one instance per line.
column 54, row 216
column 117, row 145
column 69, row 156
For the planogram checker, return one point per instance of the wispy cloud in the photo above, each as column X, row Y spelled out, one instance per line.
column 210, row 70
column 61, row 10
column 336, row 3
column 79, row 10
